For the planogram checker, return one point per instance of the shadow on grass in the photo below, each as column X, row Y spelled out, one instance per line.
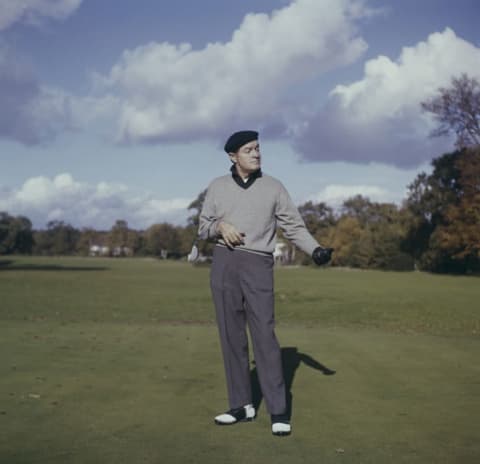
column 9, row 265
column 291, row 360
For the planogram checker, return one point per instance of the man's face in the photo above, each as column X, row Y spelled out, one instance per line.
column 247, row 158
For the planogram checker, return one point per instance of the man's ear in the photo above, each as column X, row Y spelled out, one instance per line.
column 233, row 157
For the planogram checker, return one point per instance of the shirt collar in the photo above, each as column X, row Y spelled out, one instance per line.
column 251, row 178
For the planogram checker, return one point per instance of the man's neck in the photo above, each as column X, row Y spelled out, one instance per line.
column 244, row 175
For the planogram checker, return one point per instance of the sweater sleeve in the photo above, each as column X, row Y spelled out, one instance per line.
column 292, row 224
column 207, row 227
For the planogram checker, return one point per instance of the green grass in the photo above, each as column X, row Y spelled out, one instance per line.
column 118, row 361
column 149, row 291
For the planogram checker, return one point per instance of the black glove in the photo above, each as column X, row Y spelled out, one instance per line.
column 322, row 255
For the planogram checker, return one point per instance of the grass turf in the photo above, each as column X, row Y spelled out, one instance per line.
column 117, row 361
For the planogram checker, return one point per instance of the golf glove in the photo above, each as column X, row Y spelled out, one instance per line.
column 322, row 255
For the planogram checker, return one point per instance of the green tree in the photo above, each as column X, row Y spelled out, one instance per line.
column 58, row 239
column 387, row 234
column 16, row 235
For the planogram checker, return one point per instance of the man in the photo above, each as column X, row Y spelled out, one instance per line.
column 240, row 213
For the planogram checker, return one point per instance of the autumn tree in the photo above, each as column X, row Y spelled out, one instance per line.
column 122, row 240
column 186, row 236
column 162, row 240
column 457, row 110
column 459, row 234
column 86, row 239
column 444, row 232
column 370, row 235
column 358, row 207
column 350, row 242
column 117, row 237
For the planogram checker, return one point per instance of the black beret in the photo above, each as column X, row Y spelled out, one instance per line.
column 238, row 139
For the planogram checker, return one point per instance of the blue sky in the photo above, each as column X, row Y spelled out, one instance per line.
column 119, row 109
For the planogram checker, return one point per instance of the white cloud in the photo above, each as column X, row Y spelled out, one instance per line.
column 81, row 204
column 30, row 113
column 33, row 11
column 334, row 195
column 379, row 118
column 173, row 92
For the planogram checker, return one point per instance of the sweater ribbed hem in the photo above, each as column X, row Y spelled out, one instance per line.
column 247, row 250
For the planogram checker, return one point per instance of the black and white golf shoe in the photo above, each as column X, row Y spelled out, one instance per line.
column 281, row 425
column 244, row 414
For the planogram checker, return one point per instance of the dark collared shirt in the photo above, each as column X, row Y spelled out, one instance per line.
column 251, row 178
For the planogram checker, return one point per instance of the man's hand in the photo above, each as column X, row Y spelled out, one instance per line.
column 322, row 255
column 230, row 235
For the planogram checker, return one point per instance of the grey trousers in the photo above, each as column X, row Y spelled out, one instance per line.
column 242, row 290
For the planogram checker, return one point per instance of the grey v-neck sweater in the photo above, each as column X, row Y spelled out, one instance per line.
column 256, row 211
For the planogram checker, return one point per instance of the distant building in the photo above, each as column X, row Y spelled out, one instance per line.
column 122, row 251
column 99, row 250
column 102, row 250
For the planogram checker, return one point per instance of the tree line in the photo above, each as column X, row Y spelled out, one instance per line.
column 61, row 239
column 436, row 228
